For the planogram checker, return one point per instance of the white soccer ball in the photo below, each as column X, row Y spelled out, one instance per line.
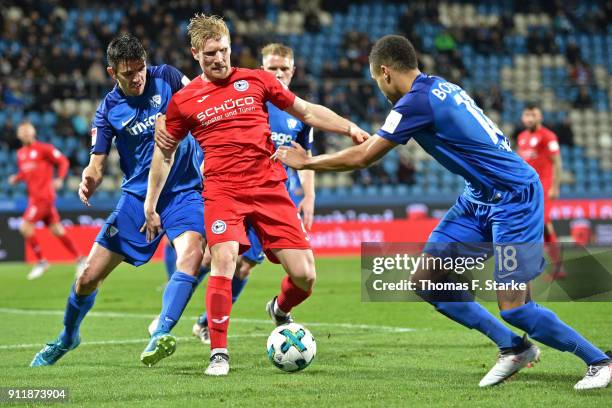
column 291, row 347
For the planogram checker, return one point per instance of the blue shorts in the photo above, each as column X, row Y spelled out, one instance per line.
column 179, row 213
column 255, row 253
column 512, row 231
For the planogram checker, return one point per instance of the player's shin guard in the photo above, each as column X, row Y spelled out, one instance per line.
column 290, row 295
column 237, row 287
column 176, row 296
column 170, row 260
column 460, row 307
column 77, row 307
column 219, row 307
column 543, row 325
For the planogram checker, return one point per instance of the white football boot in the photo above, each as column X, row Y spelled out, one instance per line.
column 201, row 332
column 597, row 376
column 38, row 270
column 219, row 365
column 510, row 363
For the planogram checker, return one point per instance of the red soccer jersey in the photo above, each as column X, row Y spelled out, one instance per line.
column 36, row 163
column 538, row 148
column 229, row 119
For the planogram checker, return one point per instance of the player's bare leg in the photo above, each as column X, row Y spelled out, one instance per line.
column 59, row 231
column 219, row 304
column 99, row 264
column 543, row 325
column 176, row 295
column 296, row 286
column 27, row 232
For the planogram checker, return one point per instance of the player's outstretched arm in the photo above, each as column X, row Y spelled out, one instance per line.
column 92, row 177
column 320, row 117
column 161, row 164
column 306, row 206
column 354, row 157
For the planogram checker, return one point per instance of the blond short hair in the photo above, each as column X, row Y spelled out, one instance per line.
column 277, row 49
column 202, row 28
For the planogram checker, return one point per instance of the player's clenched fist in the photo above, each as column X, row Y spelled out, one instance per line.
column 294, row 157
column 162, row 137
column 357, row 134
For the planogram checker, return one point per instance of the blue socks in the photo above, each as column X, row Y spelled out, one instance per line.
column 77, row 307
column 544, row 326
column 473, row 316
column 176, row 296
column 237, row 287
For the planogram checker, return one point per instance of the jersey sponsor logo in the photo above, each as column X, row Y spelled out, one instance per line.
column 218, row 227
column 202, row 99
column 141, row 127
column 94, row 136
column 33, row 154
column 241, row 85
column 280, row 139
column 292, row 123
column 240, row 105
column 156, row 101
column 392, row 121
column 533, row 142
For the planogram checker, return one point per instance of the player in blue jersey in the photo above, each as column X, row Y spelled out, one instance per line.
column 126, row 117
column 502, row 204
column 277, row 59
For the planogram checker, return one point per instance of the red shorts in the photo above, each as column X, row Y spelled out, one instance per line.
column 41, row 211
column 267, row 208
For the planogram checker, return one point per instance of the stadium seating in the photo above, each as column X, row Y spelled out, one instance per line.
column 520, row 75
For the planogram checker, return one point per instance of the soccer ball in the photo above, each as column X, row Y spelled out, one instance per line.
column 291, row 347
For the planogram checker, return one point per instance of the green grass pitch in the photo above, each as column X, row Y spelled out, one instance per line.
column 369, row 354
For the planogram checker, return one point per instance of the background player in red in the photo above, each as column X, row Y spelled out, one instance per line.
column 539, row 147
column 225, row 110
column 36, row 162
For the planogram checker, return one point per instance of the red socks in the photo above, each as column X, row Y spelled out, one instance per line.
column 552, row 248
column 290, row 295
column 34, row 245
column 218, row 307
column 69, row 245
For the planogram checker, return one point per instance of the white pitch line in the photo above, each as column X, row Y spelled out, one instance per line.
column 114, row 342
column 392, row 329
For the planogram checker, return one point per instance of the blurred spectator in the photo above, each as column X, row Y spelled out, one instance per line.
column 583, row 99
column 581, row 74
column 564, row 132
column 444, row 42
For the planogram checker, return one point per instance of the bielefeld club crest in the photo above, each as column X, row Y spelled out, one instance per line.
column 241, row 85
column 156, row 101
column 218, row 227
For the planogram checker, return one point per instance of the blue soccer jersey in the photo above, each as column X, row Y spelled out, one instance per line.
column 445, row 122
column 129, row 122
column 285, row 129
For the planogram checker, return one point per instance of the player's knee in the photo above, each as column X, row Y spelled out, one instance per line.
column 190, row 260
column 26, row 229
column 88, row 281
column 244, row 269
column 305, row 274
column 206, row 259
column 224, row 260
